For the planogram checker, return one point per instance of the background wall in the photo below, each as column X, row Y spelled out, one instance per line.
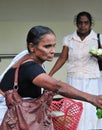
column 17, row 17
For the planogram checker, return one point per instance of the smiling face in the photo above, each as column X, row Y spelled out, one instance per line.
column 45, row 49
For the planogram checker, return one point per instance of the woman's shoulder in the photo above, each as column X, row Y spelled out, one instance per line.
column 68, row 37
column 32, row 66
column 66, row 40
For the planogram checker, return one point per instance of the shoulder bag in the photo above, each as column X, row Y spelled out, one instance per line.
column 99, row 46
column 27, row 114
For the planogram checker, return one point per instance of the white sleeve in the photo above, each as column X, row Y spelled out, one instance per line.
column 64, row 41
column 101, row 39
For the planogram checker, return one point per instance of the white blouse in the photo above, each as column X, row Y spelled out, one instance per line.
column 81, row 64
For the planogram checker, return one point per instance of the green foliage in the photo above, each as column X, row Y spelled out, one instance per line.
column 99, row 113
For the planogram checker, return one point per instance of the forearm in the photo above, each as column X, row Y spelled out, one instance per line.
column 54, row 69
column 71, row 92
column 59, row 63
column 66, row 90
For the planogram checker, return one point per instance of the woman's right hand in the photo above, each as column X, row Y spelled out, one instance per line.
column 97, row 101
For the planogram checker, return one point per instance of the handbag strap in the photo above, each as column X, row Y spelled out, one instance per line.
column 99, row 44
column 2, row 93
column 17, row 66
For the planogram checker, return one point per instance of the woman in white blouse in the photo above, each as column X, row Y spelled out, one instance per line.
column 82, row 68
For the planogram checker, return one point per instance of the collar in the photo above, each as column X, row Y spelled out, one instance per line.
column 92, row 35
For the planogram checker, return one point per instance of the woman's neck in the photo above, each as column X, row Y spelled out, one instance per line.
column 36, row 59
column 83, row 35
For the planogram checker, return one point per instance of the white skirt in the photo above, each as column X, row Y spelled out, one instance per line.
column 88, row 120
column 99, row 122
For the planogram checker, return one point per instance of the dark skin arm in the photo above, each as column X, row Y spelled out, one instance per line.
column 60, row 61
column 59, row 87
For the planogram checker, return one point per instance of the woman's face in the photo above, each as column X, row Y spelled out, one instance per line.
column 45, row 49
column 83, row 25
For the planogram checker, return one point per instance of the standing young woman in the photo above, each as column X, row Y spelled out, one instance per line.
column 82, row 68
column 41, row 43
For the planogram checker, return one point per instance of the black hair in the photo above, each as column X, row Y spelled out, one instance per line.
column 84, row 13
column 36, row 33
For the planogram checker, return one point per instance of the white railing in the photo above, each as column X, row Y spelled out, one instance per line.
column 7, row 56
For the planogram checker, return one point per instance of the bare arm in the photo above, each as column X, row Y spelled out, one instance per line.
column 49, row 83
column 60, row 61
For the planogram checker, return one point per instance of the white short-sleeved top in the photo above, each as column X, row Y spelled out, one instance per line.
column 81, row 64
